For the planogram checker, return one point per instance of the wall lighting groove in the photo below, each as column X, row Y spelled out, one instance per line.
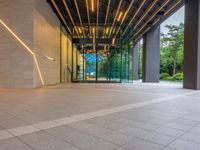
column 26, row 47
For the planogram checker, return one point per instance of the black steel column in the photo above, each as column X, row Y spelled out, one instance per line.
column 83, row 63
column 121, row 62
column 96, row 63
column 76, row 64
column 72, row 69
column 128, row 63
column 192, row 45
column 151, row 56
column 136, row 60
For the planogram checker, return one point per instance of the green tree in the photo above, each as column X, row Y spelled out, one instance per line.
column 172, row 49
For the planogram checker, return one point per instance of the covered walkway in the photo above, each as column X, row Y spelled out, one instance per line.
column 100, row 117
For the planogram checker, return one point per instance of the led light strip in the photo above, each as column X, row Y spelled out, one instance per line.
column 88, row 16
column 79, row 16
column 145, row 13
column 154, row 14
column 97, row 18
column 61, row 16
column 27, row 48
column 166, row 12
column 108, row 8
column 172, row 7
column 115, row 17
column 130, row 5
column 70, row 16
column 135, row 14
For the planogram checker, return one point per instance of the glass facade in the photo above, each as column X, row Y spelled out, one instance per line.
column 102, row 63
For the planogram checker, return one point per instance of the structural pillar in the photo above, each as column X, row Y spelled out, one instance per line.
column 136, row 61
column 192, row 45
column 151, row 56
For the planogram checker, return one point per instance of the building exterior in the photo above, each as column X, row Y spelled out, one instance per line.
column 47, row 42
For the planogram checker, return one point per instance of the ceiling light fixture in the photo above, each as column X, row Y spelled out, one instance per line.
column 79, row 29
column 107, row 30
column 92, row 3
column 93, row 30
column 49, row 58
column 120, row 16
column 113, row 41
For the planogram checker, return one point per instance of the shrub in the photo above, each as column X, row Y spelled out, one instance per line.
column 164, row 76
column 178, row 77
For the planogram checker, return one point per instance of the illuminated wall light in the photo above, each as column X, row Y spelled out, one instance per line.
column 120, row 16
column 92, row 4
column 107, row 30
column 93, row 30
column 113, row 41
column 49, row 58
column 79, row 29
column 27, row 48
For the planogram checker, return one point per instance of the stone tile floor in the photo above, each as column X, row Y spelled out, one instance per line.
column 100, row 117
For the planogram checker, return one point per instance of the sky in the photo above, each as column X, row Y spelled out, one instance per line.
column 175, row 19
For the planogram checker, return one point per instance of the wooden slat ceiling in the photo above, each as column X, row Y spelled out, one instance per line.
column 126, row 19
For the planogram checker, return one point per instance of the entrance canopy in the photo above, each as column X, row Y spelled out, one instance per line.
column 125, row 19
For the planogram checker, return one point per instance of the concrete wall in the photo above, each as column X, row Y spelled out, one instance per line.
column 38, row 27
column 46, row 42
column 65, row 56
column 16, row 64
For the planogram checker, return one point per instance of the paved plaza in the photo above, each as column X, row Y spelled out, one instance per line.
column 135, row 116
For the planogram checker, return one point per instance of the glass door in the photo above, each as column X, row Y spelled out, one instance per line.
column 90, row 59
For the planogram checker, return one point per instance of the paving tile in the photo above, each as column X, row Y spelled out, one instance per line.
column 5, row 135
column 138, row 144
column 133, row 131
column 120, row 148
column 13, row 144
column 158, row 138
column 169, row 131
column 46, row 125
column 80, row 139
column 23, row 130
column 192, row 137
column 116, row 138
column 187, row 122
column 179, row 126
column 89, row 128
column 169, row 148
column 106, row 123
column 139, row 124
column 8, row 121
column 43, row 141
column 196, row 129
column 184, row 145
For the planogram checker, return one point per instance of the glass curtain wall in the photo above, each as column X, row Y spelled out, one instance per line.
column 102, row 63
column 127, row 64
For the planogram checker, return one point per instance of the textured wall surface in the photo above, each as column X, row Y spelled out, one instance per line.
column 16, row 64
column 39, row 28
column 46, row 42
column 65, row 56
